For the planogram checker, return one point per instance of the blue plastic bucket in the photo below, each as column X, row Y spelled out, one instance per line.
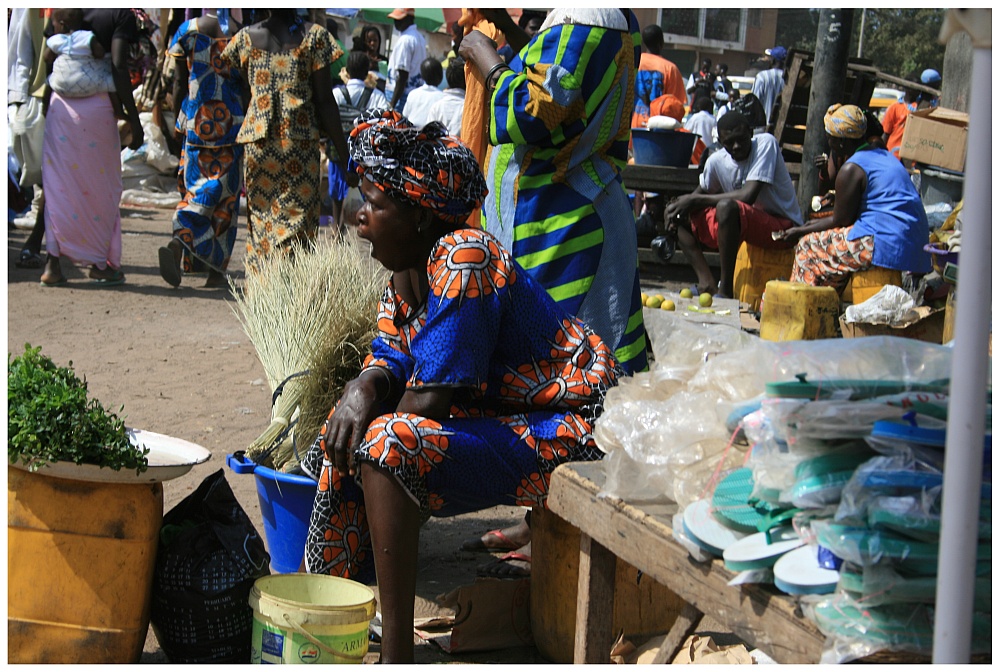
column 655, row 147
column 286, row 503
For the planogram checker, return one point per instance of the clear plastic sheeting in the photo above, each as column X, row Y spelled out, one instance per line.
column 679, row 342
column 880, row 584
column 665, row 430
column 855, row 631
column 873, row 485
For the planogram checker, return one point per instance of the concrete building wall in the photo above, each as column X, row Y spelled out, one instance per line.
column 760, row 31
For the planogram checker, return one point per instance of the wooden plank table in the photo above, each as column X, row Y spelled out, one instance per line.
column 660, row 179
column 641, row 535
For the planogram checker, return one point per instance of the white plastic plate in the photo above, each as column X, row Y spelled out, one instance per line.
column 168, row 457
column 706, row 530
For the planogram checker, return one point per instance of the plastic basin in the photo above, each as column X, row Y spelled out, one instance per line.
column 940, row 256
column 653, row 147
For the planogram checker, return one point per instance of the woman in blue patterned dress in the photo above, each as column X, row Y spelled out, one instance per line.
column 209, row 115
column 478, row 384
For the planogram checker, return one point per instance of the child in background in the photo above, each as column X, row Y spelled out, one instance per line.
column 79, row 65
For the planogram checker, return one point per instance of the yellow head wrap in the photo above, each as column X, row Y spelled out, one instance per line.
column 845, row 121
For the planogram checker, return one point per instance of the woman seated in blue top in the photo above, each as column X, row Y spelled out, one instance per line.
column 878, row 218
column 477, row 387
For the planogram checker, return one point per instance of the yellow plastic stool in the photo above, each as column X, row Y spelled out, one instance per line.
column 863, row 285
column 794, row 311
column 754, row 267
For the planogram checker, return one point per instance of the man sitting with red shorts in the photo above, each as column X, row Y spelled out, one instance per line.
column 745, row 194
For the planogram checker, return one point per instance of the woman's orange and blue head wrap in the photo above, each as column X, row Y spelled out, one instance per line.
column 845, row 121
column 423, row 166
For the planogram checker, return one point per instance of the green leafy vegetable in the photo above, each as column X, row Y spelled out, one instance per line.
column 50, row 419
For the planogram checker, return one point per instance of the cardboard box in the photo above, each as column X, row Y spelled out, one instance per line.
column 936, row 136
column 929, row 327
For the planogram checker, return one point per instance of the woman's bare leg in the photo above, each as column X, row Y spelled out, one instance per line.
column 53, row 271
column 394, row 522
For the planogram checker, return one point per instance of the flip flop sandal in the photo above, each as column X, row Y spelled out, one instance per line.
column 29, row 259
column 478, row 545
column 117, row 278
column 170, row 270
column 58, row 283
column 501, row 569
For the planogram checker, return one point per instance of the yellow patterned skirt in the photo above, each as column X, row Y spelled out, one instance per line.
column 283, row 195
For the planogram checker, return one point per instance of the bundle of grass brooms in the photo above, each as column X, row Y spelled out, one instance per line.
column 311, row 316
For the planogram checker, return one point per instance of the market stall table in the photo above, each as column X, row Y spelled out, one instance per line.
column 641, row 535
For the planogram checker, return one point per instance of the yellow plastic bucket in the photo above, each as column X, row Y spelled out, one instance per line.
column 310, row 618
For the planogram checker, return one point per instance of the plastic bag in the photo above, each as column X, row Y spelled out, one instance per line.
column 880, row 584
column 749, row 106
column 855, row 632
column 157, row 152
column 890, row 305
column 208, row 559
column 660, row 424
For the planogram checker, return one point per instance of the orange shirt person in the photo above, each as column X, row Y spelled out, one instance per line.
column 656, row 76
column 894, row 121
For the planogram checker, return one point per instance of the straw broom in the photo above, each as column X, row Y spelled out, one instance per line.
column 312, row 313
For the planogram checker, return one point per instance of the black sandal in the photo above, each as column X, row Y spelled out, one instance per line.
column 29, row 259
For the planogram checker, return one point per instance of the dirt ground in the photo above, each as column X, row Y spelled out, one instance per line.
column 180, row 364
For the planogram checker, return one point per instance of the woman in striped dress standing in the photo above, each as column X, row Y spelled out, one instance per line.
column 559, row 130
column 559, row 126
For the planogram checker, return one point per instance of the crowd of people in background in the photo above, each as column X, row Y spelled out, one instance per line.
column 221, row 159
column 511, row 149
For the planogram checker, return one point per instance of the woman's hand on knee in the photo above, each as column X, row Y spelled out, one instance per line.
column 345, row 427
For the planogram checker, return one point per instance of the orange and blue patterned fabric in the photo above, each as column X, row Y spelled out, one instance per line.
column 424, row 166
column 281, row 134
column 559, row 129
column 529, row 381
column 210, row 171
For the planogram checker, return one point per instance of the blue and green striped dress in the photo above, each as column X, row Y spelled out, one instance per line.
column 559, row 132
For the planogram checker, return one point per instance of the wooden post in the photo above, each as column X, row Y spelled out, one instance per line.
column 595, row 597
column 956, row 75
column 833, row 37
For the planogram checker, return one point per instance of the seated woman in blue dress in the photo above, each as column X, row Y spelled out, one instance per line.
column 478, row 385
column 878, row 218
